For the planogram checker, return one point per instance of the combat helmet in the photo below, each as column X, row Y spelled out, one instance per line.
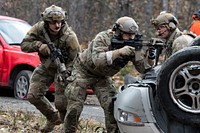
column 53, row 13
column 165, row 19
column 125, row 24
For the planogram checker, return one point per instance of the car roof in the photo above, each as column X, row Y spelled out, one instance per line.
column 10, row 18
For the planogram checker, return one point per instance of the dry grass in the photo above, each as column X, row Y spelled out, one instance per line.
column 28, row 122
column 19, row 122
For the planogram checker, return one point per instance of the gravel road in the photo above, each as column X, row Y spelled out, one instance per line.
column 91, row 109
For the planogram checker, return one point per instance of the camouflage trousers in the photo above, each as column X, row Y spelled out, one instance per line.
column 40, row 82
column 76, row 95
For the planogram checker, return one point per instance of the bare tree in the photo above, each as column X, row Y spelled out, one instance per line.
column 88, row 17
column 165, row 5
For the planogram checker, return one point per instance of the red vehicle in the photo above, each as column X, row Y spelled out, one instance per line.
column 16, row 66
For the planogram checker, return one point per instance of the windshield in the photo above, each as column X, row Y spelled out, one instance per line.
column 13, row 31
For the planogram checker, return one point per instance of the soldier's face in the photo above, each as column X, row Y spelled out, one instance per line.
column 128, row 36
column 163, row 31
column 55, row 27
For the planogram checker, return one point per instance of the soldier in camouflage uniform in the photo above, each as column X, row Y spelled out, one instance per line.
column 54, row 26
column 95, row 67
column 166, row 26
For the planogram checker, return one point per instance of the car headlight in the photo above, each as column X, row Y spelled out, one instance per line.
column 128, row 117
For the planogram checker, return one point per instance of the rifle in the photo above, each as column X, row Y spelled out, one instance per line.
column 138, row 43
column 56, row 57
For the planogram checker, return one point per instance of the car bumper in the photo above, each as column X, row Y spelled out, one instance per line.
column 133, row 102
column 137, row 128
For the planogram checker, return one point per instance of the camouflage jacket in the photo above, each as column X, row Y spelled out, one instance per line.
column 176, row 41
column 95, row 60
column 66, row 41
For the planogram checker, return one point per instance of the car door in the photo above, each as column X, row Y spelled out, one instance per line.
column 1, row 59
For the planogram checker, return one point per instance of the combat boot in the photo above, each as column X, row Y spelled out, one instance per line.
column 50, row 124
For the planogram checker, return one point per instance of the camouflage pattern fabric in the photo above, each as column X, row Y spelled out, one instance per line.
column 66, row 41
column 94, row 58
column 176, row 41
column 43, row 76
column 91, row 69
column 104, row 89
column 40, row 81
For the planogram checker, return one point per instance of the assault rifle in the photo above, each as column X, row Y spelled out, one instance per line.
column 57, row 57
column 138, row 43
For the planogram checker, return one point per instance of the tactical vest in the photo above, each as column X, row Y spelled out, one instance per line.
column 60, row 41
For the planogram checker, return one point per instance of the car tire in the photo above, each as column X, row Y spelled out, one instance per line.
column 178, row 86
column 21, row 84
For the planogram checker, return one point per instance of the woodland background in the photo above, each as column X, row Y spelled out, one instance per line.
column 88, row 17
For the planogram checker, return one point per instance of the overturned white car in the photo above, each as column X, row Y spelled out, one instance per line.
column 166, row 99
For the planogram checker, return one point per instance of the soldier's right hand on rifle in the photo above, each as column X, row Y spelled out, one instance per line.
column 124, row 51
column 44, row 50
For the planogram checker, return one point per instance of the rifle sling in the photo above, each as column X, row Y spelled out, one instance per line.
column 48, row 61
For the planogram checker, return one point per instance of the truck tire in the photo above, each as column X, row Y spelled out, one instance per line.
column 178, row 86
column 21, row 84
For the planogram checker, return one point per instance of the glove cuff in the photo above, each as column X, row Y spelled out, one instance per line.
column 115, row 54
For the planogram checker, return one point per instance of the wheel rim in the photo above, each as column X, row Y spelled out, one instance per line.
column 184, row 86
column 22, row 87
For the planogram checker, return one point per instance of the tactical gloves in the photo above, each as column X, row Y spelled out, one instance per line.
column 125, row 51
column 44, row 49
column 151, row 53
